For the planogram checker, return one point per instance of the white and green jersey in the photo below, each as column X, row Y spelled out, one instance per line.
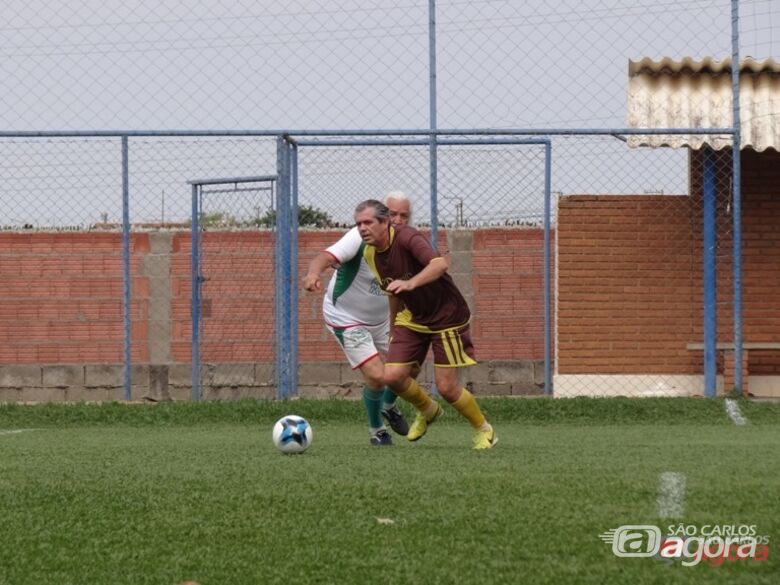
column 354, row 296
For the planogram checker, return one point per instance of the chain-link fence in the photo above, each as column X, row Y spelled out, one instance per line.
column 631, row 258
column 346, row 64
column 62, row 292
column 490, row 220
column 646, row 228
column 235, row 299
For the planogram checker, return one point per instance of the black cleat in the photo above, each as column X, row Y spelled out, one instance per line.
column 396, row 420
column 381, row 439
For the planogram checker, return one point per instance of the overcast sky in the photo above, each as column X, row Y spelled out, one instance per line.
column 323, row 64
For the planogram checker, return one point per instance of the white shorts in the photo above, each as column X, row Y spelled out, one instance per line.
column 362, row 342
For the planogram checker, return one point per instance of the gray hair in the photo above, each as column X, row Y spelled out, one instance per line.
column 381, row 212
column 398, row 195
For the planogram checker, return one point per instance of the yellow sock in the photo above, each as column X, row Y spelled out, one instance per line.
column 416, row 396
column 468, row 407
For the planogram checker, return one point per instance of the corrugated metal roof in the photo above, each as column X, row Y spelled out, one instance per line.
column 697, row 94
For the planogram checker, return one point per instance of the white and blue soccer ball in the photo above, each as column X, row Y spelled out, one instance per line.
column 292, row 434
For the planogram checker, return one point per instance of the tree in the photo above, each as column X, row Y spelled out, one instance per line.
column 308, row 216
column 217, row 219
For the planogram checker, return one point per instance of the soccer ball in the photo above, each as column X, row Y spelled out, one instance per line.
column 292, row 434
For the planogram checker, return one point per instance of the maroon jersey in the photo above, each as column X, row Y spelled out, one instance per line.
column 434, row 306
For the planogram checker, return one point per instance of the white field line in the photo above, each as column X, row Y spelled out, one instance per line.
column 734, row 412
column 671, row 495
column 15, row 431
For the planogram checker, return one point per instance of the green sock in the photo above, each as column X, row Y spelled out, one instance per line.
column 372, row 399
column 389, row 397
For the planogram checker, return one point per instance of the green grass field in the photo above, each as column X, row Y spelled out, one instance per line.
column 161, row 494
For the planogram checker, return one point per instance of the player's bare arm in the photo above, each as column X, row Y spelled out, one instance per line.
column 312, row 281
column 435, row 269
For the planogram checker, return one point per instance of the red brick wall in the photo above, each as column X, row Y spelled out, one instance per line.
column 508, row 293
column 238, row 293
column 626, row 284
column 761, row 256
column 61, row 297
column 630, row 274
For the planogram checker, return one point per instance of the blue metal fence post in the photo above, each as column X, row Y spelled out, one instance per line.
column 293, row 150
column 736, row 151
column 432, row 149
column 710, row 284
column 433, row 154
column 286, row 263
column 548, row 389
column 126, row 270
column 278, row 270
column 195, row 309
column 282, row 270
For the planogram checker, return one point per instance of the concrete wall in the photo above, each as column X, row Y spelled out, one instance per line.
column 35, row 383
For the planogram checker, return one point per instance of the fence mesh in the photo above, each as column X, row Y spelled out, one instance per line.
column 629, row 274
column 759, row 23
column 237, row 290
column 61, row 299
column 234, row 261
column 491, row 204
column 629, row 220
column 62, row 259
column 347, row 64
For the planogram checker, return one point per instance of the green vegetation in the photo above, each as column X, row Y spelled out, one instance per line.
column 573, row 411
column 308, row 216
column 161, row 494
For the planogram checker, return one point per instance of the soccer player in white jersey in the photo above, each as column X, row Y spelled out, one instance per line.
column 356, row 312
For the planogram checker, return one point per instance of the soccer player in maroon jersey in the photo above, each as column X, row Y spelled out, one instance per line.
column 426, row 310
column 356, row 313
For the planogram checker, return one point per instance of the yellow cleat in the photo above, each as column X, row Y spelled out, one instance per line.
column 420, row 425
column 485, row 439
